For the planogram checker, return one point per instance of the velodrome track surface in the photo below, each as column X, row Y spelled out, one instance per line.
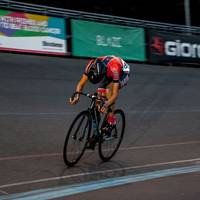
column 162, row 106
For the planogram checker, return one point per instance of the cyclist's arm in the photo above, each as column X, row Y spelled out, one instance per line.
column 81, row 83
column 115, row 92
column 79, row 88
column 111, row 100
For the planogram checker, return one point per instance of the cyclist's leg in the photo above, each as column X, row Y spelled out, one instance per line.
column 122, row 82
column 101, row 92
column 110, row 119
column 105, row 92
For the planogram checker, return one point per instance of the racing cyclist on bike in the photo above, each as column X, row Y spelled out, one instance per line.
column 111, row 73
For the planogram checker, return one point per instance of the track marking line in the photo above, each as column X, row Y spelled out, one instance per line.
column 3, row 192
column 29, row 156
column 74, row 113
column 160, row 145
column 120, row 149
column 63, row 191
column 99, row 172
column 35, row 113
column 162, row 111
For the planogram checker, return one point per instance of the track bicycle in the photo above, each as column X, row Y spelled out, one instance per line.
column 89, row 125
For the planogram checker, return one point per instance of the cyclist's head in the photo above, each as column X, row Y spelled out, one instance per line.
column 97, row 70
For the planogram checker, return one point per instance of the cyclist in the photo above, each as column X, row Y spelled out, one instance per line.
column 111, row 73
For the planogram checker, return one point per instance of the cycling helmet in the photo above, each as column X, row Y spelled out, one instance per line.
column 97, row 70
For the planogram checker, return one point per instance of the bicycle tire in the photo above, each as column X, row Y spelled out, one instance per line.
column 106, row 151
column 78, row 133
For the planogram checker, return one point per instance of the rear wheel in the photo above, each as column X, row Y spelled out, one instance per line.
column 77, row 138
column 108, row 146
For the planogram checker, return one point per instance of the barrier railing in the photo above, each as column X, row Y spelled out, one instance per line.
column 66, row 13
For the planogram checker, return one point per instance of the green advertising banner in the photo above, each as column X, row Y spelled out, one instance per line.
column 92, row 39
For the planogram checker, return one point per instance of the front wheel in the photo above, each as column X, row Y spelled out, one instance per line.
column 108, row 146
column 77, row 138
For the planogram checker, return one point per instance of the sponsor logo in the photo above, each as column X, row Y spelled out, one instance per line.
column 126, row 68
column 157, row 45
column 182, row 49
column 175, row 48
column 105, row 41
column 51, row 44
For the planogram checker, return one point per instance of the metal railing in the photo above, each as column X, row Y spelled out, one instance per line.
column 66, row 13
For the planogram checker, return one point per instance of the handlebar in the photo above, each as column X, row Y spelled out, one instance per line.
column 81, row 93
column 87, row 94
column 91, row 96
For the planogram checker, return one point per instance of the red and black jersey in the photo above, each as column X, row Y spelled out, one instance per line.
column 114, row 68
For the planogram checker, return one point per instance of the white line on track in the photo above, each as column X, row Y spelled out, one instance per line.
column 121, row 149
column 29, row 156
column 100, row 172
column 74, row 113
column 162, row 111
column 3, row 192
column 35, row 113
column 67, row 190
column 161, row 145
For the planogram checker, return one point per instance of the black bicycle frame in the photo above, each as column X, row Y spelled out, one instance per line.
column 94, row 113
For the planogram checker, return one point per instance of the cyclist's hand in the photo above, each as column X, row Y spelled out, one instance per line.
column 104, row 108
column 74, row 99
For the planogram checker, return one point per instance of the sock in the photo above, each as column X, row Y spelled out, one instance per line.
column 111, row 119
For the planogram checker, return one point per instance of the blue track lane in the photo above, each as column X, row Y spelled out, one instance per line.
column 63, row 191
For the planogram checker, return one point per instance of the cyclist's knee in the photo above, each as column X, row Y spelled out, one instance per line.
column 105, row 92
column 102, row 93
column 109, row 90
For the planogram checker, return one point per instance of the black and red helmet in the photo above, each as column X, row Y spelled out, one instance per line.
column 96, row 71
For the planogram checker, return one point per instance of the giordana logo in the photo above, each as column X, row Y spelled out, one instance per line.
column 175, row 48
column 182, row 49
column 157, row 45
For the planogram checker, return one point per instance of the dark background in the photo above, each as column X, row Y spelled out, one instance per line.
column 169, row 11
